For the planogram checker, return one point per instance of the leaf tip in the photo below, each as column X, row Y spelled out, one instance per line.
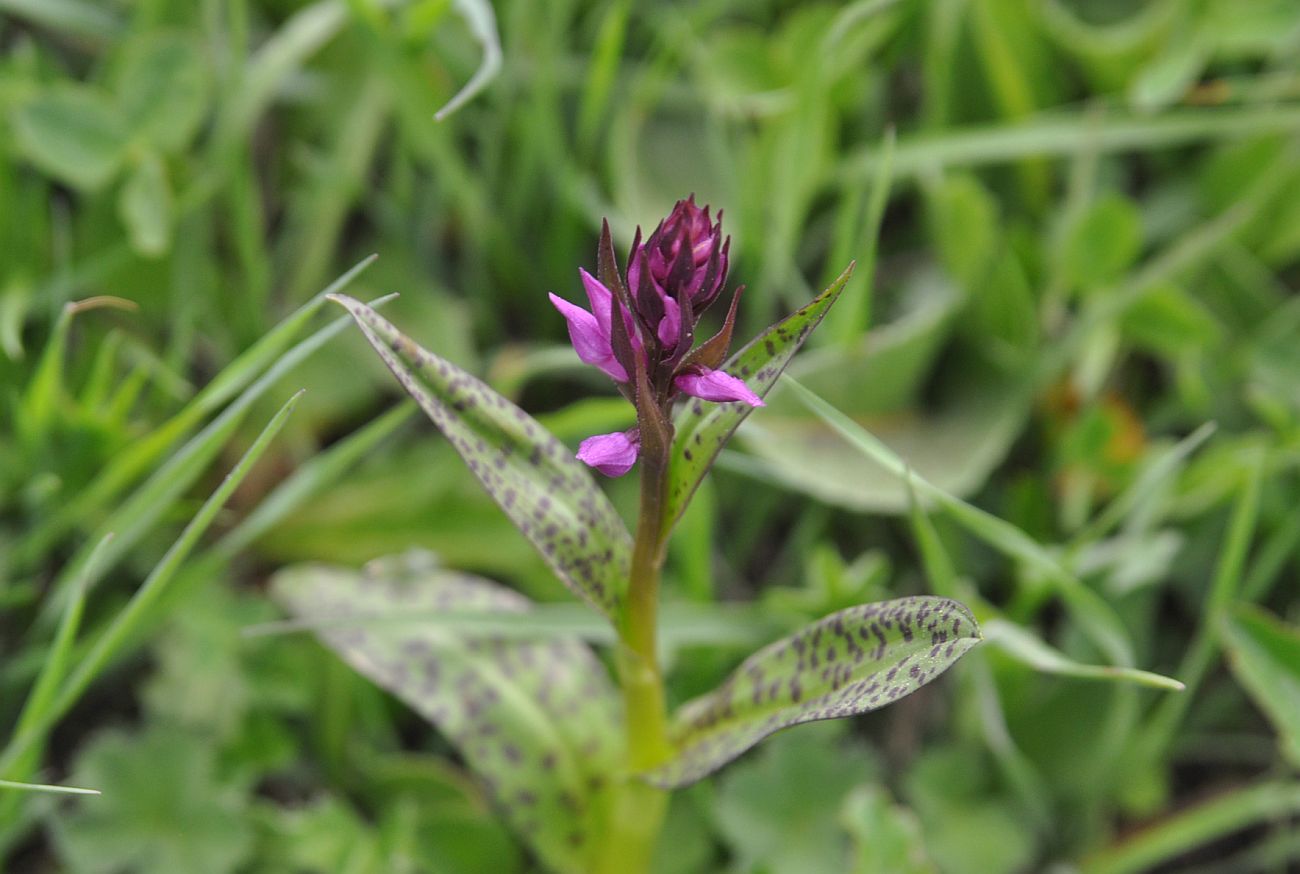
column 339, row 298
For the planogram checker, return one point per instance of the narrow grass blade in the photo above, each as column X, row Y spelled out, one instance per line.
column 1265, row 656
column 482, row 23
column 1196, row 826
column 537, row 721
column 850, row 662
column 682, row 625
column 53, row 670
column 122, row 629
column 1068, row 134
column 548, row 495
column 703, row 428
column 1026, row 647
column 310, row 479
column 1097, row 618
column 854, row 313
column 45, row 787
column 140, row 455
column 1160, row 729
column 1163, row 468
column 148, row 503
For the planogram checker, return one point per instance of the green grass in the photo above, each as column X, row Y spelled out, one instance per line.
column 1061, row 386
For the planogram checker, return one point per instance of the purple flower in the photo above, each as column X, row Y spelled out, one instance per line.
column 714, row 385
column 672, row 277
column 611, row 454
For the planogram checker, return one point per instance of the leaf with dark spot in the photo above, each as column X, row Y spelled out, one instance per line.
column 703, row 428
column 848, row 663
column 537, row 720
column 546, row 492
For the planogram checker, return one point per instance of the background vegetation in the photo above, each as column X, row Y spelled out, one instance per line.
column 1090, row 240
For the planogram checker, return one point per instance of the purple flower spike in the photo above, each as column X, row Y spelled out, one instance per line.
column 611, row 454
column 672, row 277
column 714, row 385
column 686, row 256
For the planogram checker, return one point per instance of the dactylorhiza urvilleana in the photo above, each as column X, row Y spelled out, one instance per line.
column 672, row 278
column 578, row 765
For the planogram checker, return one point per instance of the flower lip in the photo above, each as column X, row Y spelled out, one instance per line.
column 715, row 385
column 611, row 454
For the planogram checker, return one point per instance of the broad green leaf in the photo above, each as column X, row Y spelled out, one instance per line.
column 777, row 810
column 1265, row 656
column 145, row 205
column 165, row 808
column 546, row 492
column 703, row 428
column 73, row 133
column 1103, row 243
column 964, row 216
column 162, row 87
column 850, row 662
column 969, row 823
column 537, row 720
column 887, row 837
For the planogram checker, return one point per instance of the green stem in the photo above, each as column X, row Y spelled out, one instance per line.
column 638, row 808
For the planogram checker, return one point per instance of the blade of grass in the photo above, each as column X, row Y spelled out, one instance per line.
column 1196, row 826
column 1145, row 483
column 121, row 630
column 1066, row 134
column 52, row 672
column 70, row 17
column 142, row 454
column 310, row 479
column 45, row 787
column 1273, row 556
column 482, row 24
column 854, row 313
column 1027, row 648
column 138, row 515
column 683, row 625
column 55, row 664
column 1163, row 725
column 1095, row 616
column 978, row 681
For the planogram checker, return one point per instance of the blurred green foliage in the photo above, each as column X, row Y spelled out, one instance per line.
column 1089, row 249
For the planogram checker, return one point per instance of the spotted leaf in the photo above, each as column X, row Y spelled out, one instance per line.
column 537, row 721
column 546, row 492
column 848, row 663
column 703, row 427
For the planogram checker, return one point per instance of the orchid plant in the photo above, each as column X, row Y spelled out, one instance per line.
column 581, row 775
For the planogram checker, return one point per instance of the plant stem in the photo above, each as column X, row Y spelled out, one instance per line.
column 638, row 808
column 643, row 689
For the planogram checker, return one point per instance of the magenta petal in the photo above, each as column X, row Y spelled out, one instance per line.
column 591, row 344
column 670, row 326
column 602, row 300
column 602, row 306
column 714, row 385
column 611, row 454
